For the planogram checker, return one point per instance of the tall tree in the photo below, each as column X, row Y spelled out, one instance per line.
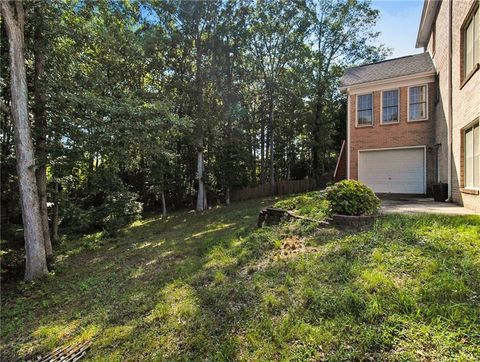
column 40, row 119
column 36, row 264
column 279, row 29
column 342, row 33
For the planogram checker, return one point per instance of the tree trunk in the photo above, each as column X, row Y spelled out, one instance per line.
column 41, row 130
column 36, row 263
column 227, row 196
column 55, row 218
column 317, row 164
column 201, row 196
column 164, row 205
column 262, row 151
column 272, row 153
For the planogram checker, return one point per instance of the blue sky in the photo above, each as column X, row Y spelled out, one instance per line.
column 398, row 24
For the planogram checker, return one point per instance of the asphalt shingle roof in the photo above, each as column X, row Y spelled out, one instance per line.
column 392, row 68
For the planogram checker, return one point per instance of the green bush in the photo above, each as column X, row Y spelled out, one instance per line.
column 118, row 209
column 75, row 218
column 350, row 197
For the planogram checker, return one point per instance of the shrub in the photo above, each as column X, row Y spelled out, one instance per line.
column 118, row 209
column 349, row 197
column 75, row 218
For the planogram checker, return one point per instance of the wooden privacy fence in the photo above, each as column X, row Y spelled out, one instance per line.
column 284, row 187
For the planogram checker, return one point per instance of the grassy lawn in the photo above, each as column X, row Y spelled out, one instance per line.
column 213, row 287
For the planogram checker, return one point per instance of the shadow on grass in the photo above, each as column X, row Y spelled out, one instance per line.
column 182, row 288
column 119, row 284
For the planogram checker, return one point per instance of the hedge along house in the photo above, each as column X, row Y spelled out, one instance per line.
column 413, row 122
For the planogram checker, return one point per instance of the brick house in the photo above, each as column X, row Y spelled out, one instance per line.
column 413, row 122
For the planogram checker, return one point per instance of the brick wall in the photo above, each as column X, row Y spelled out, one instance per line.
column 465, row 97
column 440, row 59
column 393, row 135
column 466, row 105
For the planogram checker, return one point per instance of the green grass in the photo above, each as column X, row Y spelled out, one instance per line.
column 213, row 287
column 309, row 204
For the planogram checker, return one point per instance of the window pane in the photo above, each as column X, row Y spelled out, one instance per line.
column 390, row 98
column 469, row 158
column 390, row 106
column 364, row 117
column 390, row 114
column 477, row 37
column 365, row 113
column 417, row 94
column 365, row 102
column 469, row 46
column 417, row 111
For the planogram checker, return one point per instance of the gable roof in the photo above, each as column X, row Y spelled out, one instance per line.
column 392, row 68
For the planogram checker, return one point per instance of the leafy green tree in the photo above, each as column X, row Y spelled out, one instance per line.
column 342, row 33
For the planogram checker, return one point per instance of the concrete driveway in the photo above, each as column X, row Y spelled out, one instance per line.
column 422, row 205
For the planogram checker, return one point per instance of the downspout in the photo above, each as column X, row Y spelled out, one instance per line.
column 450, row 97
column 348, row 135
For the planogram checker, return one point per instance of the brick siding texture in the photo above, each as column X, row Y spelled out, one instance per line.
column 465, row 98
column 400, row 134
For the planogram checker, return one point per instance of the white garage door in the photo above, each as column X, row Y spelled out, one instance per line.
column 399, row 171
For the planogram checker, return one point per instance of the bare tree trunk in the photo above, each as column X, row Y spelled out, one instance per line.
column 164, row 205
column 227, row 196
column 36, row 263
column 55, row 218
column 272, row 153
column 201, row 196
column 41, row 130
column 262, row 152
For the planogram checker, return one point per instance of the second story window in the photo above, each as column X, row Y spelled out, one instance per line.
column 390, row 106
column 471, row 43
column 365, row 110
column 417, row 103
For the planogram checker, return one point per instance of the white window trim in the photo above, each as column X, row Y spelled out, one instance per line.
column 356, row 111
column 464, row 135
column 408, row 103
column 398, row 106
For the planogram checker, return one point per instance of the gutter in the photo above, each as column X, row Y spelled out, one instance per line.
column 348, row 136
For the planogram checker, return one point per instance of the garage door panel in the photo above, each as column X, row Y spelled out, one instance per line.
column 393, row 171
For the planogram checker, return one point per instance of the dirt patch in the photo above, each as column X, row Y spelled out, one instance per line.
column 291, row 247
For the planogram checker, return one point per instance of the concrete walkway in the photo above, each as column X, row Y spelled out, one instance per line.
column 423, row 205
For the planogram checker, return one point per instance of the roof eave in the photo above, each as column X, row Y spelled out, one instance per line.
column 348, row 88
column 429, row 13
